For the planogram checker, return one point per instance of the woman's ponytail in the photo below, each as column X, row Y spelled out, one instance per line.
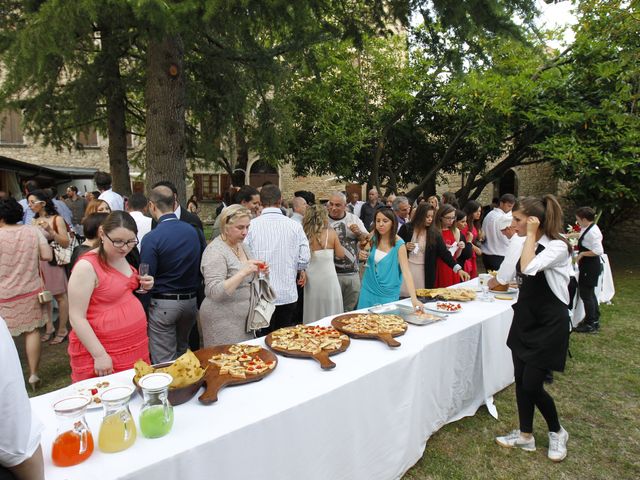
column 554, row 219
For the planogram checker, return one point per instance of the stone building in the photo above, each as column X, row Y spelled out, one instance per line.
column 91, row 155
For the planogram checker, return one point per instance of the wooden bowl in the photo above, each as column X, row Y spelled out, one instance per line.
column 177, row 396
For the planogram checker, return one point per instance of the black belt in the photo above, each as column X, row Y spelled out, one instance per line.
column 174, row 296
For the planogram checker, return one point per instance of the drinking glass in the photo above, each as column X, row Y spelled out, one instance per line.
column 484, row 284
column 261, row 256
column 143, row 271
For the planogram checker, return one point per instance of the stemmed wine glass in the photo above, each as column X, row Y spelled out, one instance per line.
column 143, row 271
column 262, row 265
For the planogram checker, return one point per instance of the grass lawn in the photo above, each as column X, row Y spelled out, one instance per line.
column 598, row 400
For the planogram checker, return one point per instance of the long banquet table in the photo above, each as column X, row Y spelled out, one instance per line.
column 369, row 418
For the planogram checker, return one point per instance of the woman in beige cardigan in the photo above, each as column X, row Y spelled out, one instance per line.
column 228, row 267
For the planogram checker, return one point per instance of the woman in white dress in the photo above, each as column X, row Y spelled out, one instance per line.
column 322, row 294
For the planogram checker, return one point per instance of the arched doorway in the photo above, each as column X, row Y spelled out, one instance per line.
column 507, row 184
column 261, row 173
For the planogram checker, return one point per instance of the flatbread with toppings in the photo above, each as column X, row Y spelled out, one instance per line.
column 373, row 324
column 309, row 339
column 241, row 361
column 456, row 294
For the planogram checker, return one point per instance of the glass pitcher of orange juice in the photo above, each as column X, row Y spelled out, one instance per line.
column 118, row 430
column 74, row 442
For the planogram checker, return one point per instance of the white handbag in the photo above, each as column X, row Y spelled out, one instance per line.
column 262, row 305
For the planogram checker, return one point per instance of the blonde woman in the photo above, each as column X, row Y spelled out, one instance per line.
column 228, row 267
column 322, row 294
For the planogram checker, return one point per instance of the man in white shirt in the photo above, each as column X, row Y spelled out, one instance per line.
column 299, row 209
column 497, row 232
column 355, row 205
column 20, row 450
column 137, row 208
column 281, row 242
column 350, row 231
column 103, row 182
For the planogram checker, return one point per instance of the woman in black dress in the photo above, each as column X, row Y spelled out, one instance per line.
column 421, row 231
column 539, row 334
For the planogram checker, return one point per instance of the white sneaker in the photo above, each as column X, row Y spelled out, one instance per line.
column 515, row 439
column 558, row 445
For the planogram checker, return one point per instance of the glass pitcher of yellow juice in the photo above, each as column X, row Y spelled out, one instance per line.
column 118, row 430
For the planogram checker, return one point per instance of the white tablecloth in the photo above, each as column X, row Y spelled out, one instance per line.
column 369, row 418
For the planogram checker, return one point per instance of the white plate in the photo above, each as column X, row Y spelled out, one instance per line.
column 84, row 388
column 434, row 308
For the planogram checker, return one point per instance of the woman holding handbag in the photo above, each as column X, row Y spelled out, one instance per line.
column 21, row 249
column 55, row 231
column 228, row 268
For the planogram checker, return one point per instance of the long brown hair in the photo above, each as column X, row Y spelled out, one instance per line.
column 548, row 211
column 445, row 209
column 470, row 208
column 419, row 218
column 115, row 220
column 387, row 212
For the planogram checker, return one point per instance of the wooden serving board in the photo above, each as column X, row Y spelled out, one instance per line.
column 214, row 382
column 387, row 338
column 322, row 357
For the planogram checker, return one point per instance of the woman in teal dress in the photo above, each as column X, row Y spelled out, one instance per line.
column 387, row 264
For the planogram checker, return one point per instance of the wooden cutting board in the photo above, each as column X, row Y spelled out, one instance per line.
column 214, row 382
column 338, row 324
column 322, row 357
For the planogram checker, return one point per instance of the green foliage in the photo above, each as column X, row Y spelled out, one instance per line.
column 598, row 143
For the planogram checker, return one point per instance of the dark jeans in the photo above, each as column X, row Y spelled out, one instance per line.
column 591, row 308
column 5, row 474
column 530, row 393
column 492, row 262
column 283, row 316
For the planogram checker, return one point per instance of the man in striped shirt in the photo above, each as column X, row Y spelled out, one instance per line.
column 280, row 242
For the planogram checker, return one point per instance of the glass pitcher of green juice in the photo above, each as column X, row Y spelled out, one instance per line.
column 156, row 415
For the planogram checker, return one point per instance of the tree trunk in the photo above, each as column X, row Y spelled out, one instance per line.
column 165, row 123
column 116, row 123
column 241, row 174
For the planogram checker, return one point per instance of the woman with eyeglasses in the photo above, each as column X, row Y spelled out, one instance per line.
column 54, row 228
column 445, row 223
column 97, row 206
column 109, row 324
column 387, row 264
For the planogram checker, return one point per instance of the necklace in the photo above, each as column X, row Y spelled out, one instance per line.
column 235, row 250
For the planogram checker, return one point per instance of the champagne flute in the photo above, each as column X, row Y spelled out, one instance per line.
column 262, row 265
column 143, row 271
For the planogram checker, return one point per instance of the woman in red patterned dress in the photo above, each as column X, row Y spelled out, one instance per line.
column 445, row 223
column 473, row 210
column 109, row 324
